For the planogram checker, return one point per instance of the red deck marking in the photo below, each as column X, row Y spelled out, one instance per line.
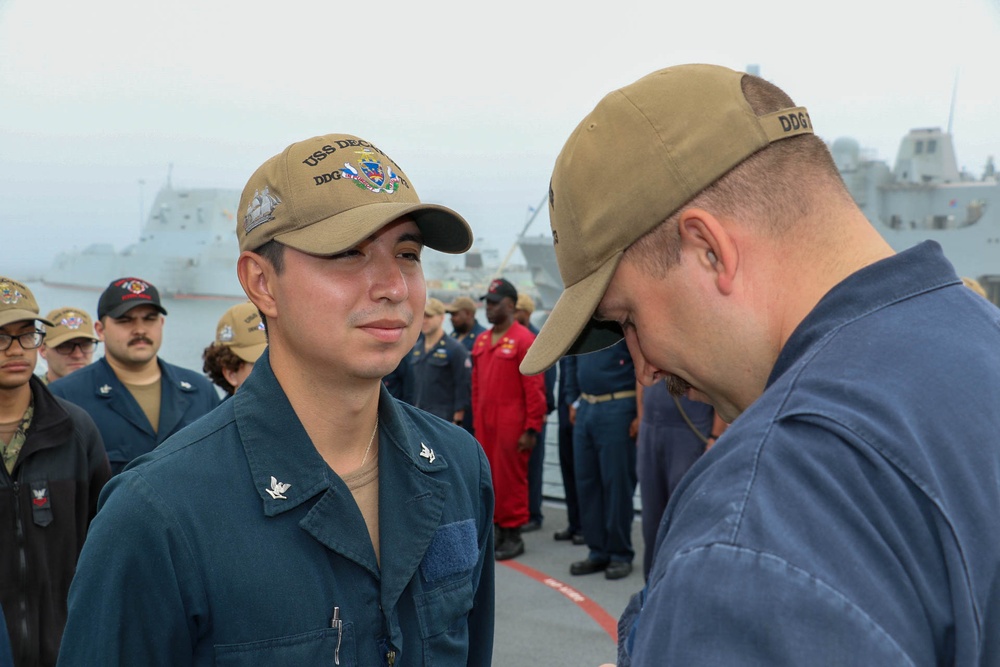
column 591, row 608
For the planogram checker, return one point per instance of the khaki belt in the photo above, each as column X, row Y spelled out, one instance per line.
column 603, row 398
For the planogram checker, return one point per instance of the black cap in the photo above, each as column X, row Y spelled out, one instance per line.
column 124, row 294
column 500, row 288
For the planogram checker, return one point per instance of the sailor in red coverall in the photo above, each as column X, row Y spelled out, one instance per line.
column 508, row 409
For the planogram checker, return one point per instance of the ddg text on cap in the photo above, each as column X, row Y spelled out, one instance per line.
column 326, row 194
column 682, row 128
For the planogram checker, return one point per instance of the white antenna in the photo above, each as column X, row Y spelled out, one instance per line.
column 142, row 207
column 954, row 94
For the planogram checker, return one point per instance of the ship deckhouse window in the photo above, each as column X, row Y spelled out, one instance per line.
column 919, row 148
column 931, row 145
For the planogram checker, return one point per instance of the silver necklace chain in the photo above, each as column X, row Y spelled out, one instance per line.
column 370, row 441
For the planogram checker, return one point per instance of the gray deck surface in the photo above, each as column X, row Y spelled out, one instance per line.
column 546, row 623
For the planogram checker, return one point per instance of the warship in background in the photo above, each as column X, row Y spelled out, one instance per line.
column 187, row 248
column 925, row 196
column 448, row 276
column 540, row 258
column 538, row 276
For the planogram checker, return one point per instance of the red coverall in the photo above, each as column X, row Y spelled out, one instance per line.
column 504, row 405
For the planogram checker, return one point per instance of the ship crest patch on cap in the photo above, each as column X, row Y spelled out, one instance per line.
column 372, row 176
column 9, row 294
column 72, row 321
column 260, row 209
column 133, row 285
column 226, row 334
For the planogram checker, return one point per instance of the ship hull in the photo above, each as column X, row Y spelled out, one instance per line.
column 188, row 250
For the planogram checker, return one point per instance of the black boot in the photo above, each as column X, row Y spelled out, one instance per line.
column 499, row 537
column 512, row 546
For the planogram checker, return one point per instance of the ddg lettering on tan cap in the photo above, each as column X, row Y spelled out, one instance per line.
column 326, row 194
column 642, row 153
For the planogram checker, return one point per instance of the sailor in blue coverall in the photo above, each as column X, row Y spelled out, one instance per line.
column 247, row 570
column 852, row 490
column 312, row 519
column 185, row 396
column 442, row 375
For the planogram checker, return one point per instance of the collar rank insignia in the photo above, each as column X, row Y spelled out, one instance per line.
column 40, row 497
column 185, row 384
column 278, row 489
column 105, row 390
column 427, row 453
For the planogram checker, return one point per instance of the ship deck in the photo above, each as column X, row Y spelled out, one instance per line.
column 545, row 615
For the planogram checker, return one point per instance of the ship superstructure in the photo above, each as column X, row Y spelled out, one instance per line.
column 187, row 248
column 926, row 196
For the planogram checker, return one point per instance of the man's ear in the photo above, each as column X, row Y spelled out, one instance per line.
column 231, row 375
column 257, row 278
column 714, row 246
column 99, row 330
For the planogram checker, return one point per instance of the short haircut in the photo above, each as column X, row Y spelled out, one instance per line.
column 274, row 252
column 770, row 189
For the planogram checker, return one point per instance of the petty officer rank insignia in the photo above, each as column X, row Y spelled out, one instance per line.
column 40, row 497
column 41, row 507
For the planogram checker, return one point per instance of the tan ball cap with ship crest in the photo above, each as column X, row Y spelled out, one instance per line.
column 326, row 194
column 242, row 331
column 642, row 153
column 17, row 303
column 69, row 323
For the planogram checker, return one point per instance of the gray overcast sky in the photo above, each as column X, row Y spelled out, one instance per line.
column 473, row 100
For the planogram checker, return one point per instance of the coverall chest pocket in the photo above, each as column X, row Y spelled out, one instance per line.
column 319, row 647
column 443, row 614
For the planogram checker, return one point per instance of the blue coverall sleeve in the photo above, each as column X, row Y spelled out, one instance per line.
column 135, row 596
column 481, row 618
column 727, row 605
